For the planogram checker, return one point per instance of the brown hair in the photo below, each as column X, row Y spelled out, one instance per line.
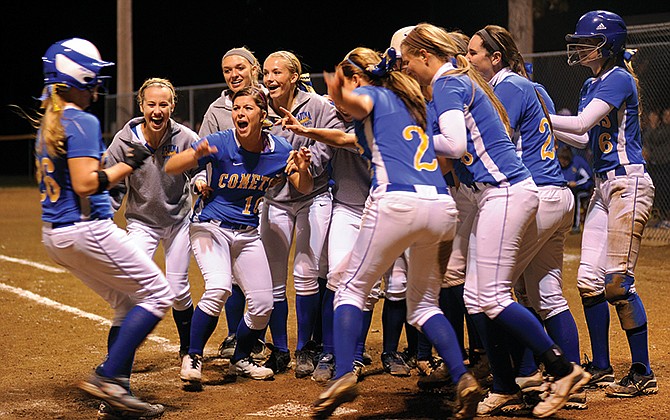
column 256, row 94
column 504, row 43
column 407, row 89
column 441, row 44
column 156, row 81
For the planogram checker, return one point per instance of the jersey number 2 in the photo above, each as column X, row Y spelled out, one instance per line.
column 421, row 150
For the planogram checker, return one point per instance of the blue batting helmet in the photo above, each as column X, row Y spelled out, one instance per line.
column 75, row 62
column 607, row 28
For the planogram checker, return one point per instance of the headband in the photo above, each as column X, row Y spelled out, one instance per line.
column 242, row 52
column 484, row 34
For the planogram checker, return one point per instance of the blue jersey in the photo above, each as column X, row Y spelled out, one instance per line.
column 60, row 204
column 490, row 156
column 616, row 139
column 579, row 172
column 532, row 134
column 400, row 151
column 239, row 178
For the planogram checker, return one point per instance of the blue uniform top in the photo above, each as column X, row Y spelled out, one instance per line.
column 535, row 142
column 400, row 151
column 616, row 139
column 490, row 156
column 580, row 172
column 60, row 204
column 239, row 178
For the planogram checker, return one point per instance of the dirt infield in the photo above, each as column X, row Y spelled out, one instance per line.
column 53, row 332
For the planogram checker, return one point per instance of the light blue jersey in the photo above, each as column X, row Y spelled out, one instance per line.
column 490, row 156
column 532, row 134
column 391, row 121
column 60, row 203
column 239, row 178
column 616, row 139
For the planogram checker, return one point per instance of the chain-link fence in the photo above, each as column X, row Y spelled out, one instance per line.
column 651, row 64
column 563, row 83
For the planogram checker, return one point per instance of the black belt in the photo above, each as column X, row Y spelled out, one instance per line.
column 233, row 226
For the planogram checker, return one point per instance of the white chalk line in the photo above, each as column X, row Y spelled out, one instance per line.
column 44, row 267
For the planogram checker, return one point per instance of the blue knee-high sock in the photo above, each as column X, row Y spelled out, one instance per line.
column 360, row 342
column 598, row 322
column 394, row 314
column 278, row 325
column 202, row 327
column 474, row 340
column 111, row 339
column 183, row 321
column 440, row 332
column 412, row 337
column 494, row 341
column 638, row 342
column 424, row 350
column 327, row 321
column 347, row 324
column 453, row 307
column 135, row 327
column 112, row 336
column 246, row 338
column 317, row 335
column 525, row 327
column 563, row 330
column 234, row 309
column 523, row 358
column 306, row 310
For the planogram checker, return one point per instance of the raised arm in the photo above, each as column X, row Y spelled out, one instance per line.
column 297, row 169
column 358, row 106
column 330, row 136
column 188, row 159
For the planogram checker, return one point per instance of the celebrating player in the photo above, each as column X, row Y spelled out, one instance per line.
column 240, row 69
column 494, row 54
column 78, row 231
column 158, row 204
column 287, row 211
column 245, row 162
column 409, row 207
column 469, row 116
column 608, row 122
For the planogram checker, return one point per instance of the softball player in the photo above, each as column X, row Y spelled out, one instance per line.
column 287, row 211
column 240, row 69
column 608, row 122
column 409, row 207
column 470, row 117
column 78, row 231
column 158, row 204
column 245, row 161
column 493, row 53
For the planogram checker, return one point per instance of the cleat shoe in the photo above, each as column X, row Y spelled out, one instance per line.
column 481, row 369
column 468, row 394
column 191, row 368
column 358, row 368
column 248, row 368
column 341, row 390
column 495, row 403
column 634, row 383
column 279, row 361
column 114, row 391
column 576, row 401
column 530, row 383
column 324, row 369
column 227, row 347
column 438, row 378
column 394, row 364
column 367, row 359
column 107, row 412
column 260, row 352
column 409, row 358
column 560, row 391
column 600, row 378
column 305, row 360
column 426, row 367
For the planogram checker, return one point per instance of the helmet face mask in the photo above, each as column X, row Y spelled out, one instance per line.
column 599, row 34
column 74, row 62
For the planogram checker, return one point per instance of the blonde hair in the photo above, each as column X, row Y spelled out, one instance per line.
column 248, row 55
column 156, row 81
column 407, row 88
column 51, row 130
column 441, row 44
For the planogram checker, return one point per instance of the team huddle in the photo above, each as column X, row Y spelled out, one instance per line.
column 428, row 175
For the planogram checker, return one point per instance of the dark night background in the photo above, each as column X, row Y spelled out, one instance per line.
column 184, row 41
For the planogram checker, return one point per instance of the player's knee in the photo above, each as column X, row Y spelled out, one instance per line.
column 212, row 301
column 617, row 286
column 631, row 312
column 590, row 301
column 182, row 303
column 306, row 286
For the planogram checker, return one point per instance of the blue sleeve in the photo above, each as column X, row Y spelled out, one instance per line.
column 84, row 137
column 615, row 88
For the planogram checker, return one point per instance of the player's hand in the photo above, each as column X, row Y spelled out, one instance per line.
column 135, row 155
column 290, row 122
column 298, row 161
column 204, row 149
column 335, row 83
column 203, row 188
